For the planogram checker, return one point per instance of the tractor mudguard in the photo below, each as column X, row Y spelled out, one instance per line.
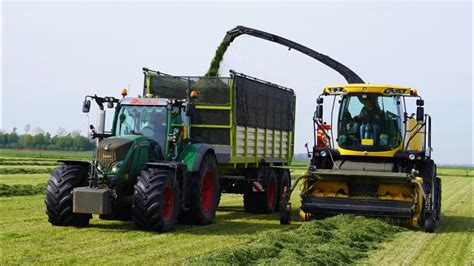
column 192, row 155
column 84, row 164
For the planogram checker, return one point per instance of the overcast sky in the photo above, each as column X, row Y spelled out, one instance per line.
column 55, row 53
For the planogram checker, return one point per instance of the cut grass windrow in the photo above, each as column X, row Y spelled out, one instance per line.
column 341, row 239
column 21, row 190
column 25, row 170
column 23, row 163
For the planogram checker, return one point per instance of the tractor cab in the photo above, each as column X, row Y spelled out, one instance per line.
column 161, row 121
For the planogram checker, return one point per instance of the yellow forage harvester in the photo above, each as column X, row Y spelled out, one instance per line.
column 377, row 161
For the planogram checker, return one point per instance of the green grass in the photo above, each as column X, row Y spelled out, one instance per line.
column 27, row 237
column 24, row 179
column 22, row 163
column 235, row 237
column 452, row 244
column 448, row 171
column 85, row 155
column 21, row 190
column 27, row 169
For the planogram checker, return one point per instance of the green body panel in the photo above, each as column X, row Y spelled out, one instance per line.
column 190, row 155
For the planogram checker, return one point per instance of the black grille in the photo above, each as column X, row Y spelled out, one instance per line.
column 111, row 150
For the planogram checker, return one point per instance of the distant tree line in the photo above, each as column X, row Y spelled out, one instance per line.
column 44, row 141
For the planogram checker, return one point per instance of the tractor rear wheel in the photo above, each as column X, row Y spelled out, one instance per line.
column 59, row 196
column 156, row 200
column 266, row 201
column 205, row 193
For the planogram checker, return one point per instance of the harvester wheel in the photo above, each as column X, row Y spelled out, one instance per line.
column 59, row 196
column 438, row 198
column 263, row 202
column 156, row 200
column 205, row 193
column 283, row 183
column 429, row 224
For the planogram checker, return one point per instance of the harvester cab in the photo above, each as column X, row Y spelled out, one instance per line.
column 377, row 162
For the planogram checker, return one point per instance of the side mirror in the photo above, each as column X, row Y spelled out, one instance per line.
column 86, row 106
column 420, row 114
column 318, row 115
column 319, row 100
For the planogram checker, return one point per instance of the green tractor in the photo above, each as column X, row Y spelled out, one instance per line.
column 171, row 152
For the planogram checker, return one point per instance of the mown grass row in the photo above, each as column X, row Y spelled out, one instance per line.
column 23, row 163
column 341, row 239
column 25, row 170
column 21, row 190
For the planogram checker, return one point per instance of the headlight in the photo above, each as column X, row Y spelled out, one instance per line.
column 116, row 167
column 323, row 153
column 411, row 156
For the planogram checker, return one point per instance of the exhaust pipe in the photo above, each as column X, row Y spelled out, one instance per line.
column 101, row 121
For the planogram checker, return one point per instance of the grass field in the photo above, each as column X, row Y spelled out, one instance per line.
column 27, row 237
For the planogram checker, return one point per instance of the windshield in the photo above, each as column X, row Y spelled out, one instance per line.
column 369, row 122
column 149, row 121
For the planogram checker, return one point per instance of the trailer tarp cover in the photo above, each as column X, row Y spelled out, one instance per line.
column 168, row 86
column 211, row 90
column 262, row 104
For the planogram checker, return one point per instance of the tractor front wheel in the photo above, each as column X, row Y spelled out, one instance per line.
column 59, row 196
column 156, row 200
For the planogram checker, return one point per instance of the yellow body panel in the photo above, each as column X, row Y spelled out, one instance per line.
column 390, row 153
column 416, row 143
column 368, row 88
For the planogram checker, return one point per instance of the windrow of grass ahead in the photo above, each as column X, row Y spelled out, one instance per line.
column 21, row 190
column 341, row 239
column 44, row 154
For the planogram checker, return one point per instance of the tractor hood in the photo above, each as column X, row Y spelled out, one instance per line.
column 114, row 149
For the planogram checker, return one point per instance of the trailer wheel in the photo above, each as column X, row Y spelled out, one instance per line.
column 263, row 202
column 205, row 193
column 283, row 183
column 156, row 200
column 59, row 196
column 285, row 217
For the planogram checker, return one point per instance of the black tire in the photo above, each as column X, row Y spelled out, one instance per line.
column 284, row 181
column 59, row 195
column 156, row 200
column 263, row 202
column 205, row 193
column 438, row 198
column 429, row 224
column 285, row 217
